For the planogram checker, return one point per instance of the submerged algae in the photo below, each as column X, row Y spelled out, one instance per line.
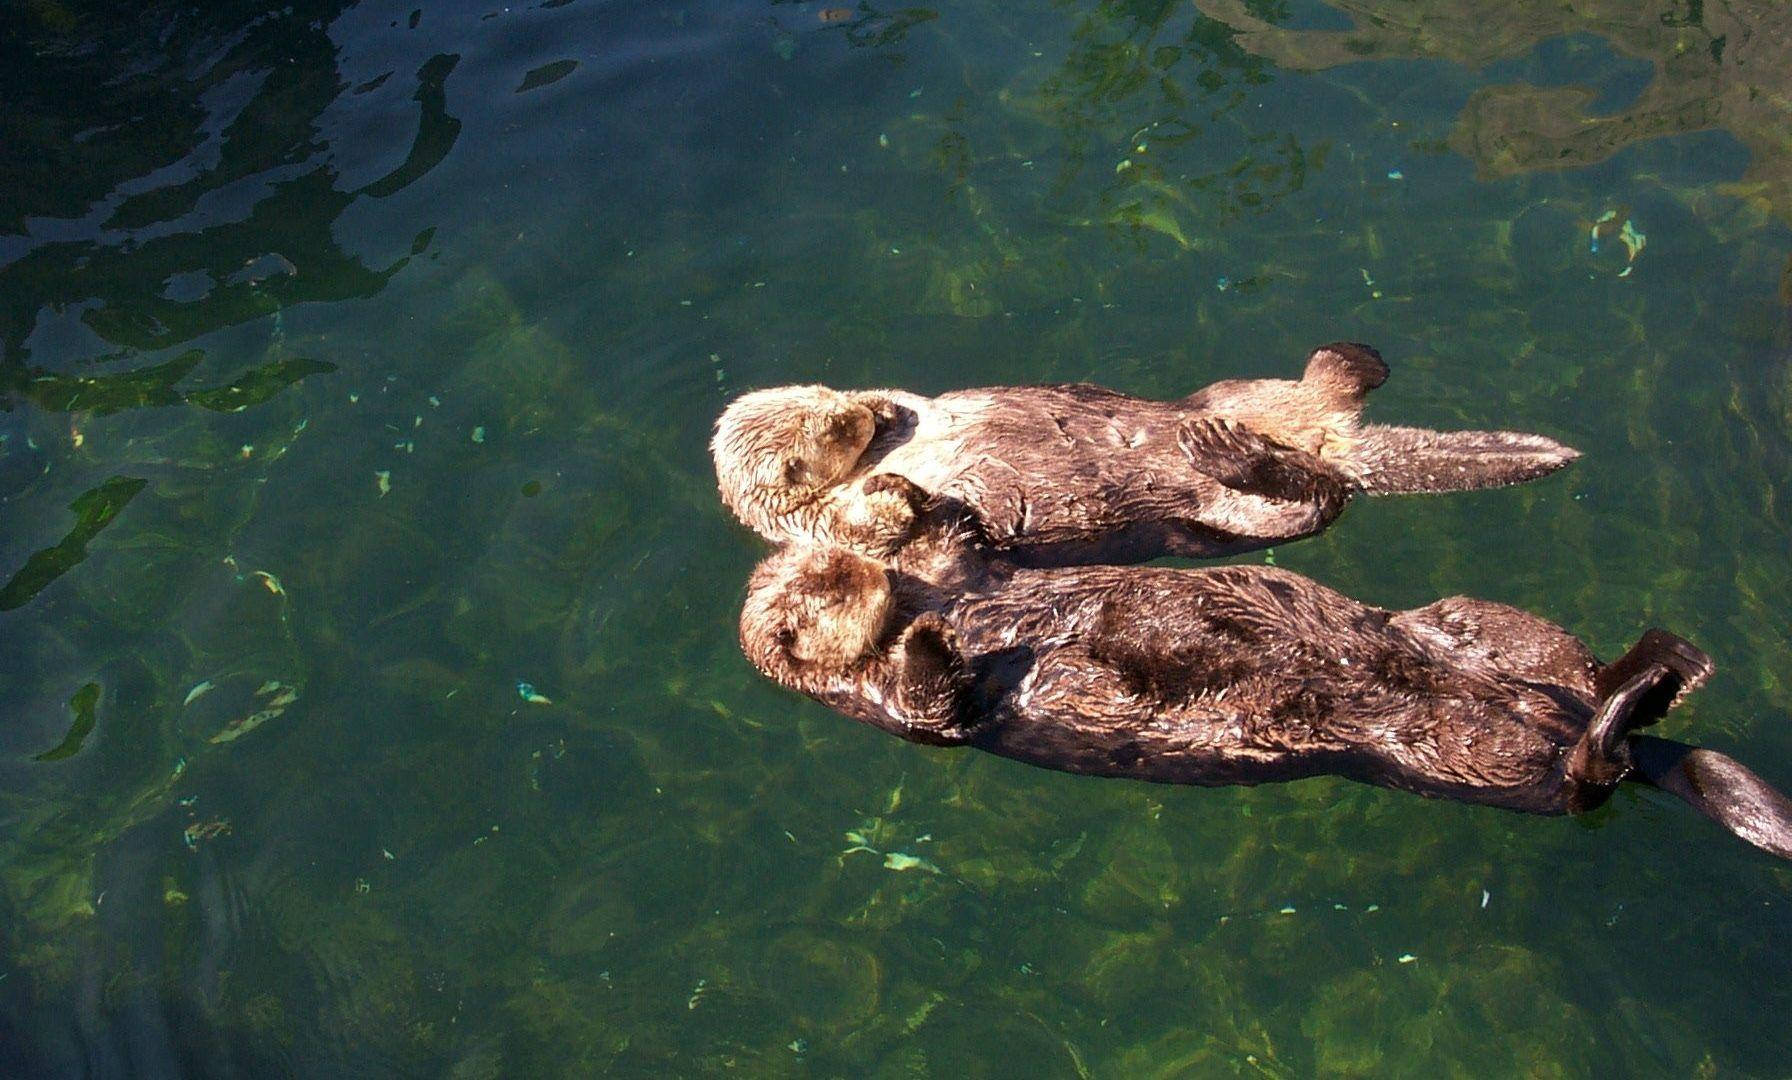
column 1719, row 66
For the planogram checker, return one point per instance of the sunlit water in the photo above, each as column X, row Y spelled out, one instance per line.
column 370, row 693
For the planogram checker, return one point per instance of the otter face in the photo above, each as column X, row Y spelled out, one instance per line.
column 814, row 609
column 780, row 448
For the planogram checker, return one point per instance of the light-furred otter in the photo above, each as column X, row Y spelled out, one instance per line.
column 1242, row 675
column 1060, row 475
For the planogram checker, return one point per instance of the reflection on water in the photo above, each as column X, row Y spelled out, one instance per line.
column 373, row 705
column 1721, row 66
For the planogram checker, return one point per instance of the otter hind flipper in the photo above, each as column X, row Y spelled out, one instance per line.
column 1657, row 648
column 1636, row 690
column 1389, row 460
column 1720, row 787
column 1250, row 464
column 1602, row 757
column 1346, row 368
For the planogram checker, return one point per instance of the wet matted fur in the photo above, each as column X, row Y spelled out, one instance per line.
column 1071, row 474
column 1248, row 675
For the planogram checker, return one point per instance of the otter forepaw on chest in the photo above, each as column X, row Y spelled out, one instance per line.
column 878, row 516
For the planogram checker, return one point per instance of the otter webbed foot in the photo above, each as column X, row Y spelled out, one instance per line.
column 1688, row 664
column 929, row 679
column 1250, row 464
column 1350, row 369
column 880, row 516
column 1636, row 690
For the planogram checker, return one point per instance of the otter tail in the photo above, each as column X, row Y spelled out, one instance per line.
column 1719, row 787
column 1389, row 460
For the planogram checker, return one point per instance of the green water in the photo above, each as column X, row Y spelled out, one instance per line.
column 357, row 363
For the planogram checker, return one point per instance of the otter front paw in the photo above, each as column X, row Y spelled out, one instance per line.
column 881, row 516
column 1250, row 464
column 930, row 676
column 882, row 406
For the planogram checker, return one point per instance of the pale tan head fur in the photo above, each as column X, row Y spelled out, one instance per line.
column 777, row 452
column 812, row 612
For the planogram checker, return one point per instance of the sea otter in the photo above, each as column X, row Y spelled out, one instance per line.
column 1241, row 675
column 1072, row 474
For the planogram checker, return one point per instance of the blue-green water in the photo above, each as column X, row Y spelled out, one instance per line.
column 357, row 363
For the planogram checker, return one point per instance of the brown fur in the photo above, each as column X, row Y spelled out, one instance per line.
column 820, row 620
column 1250, row 674
column 1061, row 475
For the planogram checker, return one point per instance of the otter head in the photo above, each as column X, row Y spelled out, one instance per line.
column 814, row 611
column 777, row 450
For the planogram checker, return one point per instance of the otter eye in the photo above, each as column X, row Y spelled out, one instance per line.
column 795, row 470
column 786, row 637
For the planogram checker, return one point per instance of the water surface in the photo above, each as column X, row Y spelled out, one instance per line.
column 372, row 705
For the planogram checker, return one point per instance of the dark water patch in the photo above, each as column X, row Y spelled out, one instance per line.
column 94, row 510
column 82, row 706
column 547, row 74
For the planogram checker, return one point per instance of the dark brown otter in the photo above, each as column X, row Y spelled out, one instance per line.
column 1243, row 675
column 1061, row 475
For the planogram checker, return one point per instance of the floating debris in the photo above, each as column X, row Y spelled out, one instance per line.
column 384, row 479
column 1617, row 223
column 897, row 860
column 479, row 434
column 195, row 833
column 697, row 993
column 1289, row 910
column 1396, row 174
column 1633, row 241
column 198, row 691
column 1407, row 958
column 1485, row 896
column 527, row 693
column 279, row 697
column 270, row 582
column 1374, row 293
column 1601, row 227
column 797, row 1046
